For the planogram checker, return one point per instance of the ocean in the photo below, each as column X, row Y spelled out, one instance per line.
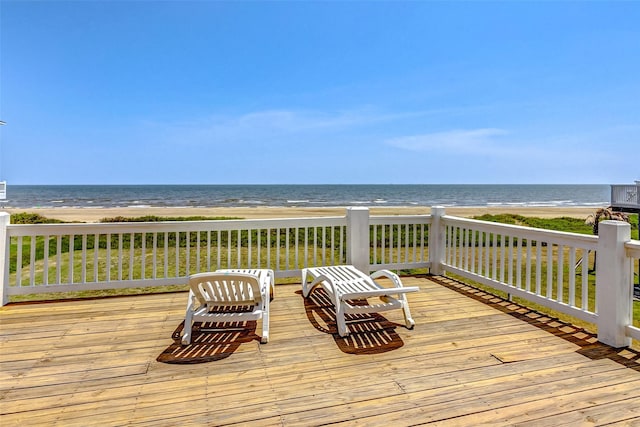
column 82, row 196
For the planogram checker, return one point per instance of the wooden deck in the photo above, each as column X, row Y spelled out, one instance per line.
column 472, row 359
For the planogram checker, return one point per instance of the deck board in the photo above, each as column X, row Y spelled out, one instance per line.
column 472, row 359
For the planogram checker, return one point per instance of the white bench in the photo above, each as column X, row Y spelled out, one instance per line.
column 345, row 283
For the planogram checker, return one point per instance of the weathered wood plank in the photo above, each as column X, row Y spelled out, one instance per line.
column 69, row 362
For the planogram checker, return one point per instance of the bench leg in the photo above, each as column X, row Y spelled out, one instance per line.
column 408, row 320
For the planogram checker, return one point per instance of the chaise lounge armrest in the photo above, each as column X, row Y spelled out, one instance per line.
column 382, row 292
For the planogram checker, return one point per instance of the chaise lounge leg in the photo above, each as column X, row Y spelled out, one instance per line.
column 186, row 333
column 265, row 319
column 340, row 321
column 408, row 320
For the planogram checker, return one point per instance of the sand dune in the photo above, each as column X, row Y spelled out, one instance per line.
column 96, row 214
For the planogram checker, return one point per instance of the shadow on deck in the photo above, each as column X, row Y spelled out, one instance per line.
column 588, row 342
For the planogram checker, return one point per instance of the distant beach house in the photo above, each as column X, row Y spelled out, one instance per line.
column 626, row 198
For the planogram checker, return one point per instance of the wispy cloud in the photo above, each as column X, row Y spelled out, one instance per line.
column 277, row 126
column 455, row 141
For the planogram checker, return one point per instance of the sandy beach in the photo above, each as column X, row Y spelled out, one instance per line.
column 96, row 214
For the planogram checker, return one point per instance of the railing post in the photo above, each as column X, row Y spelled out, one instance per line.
column 5, row 219
column 614, row 291
column 437, row 244
column 358, row 238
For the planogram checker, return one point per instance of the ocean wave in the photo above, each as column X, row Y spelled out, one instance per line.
column 141, row 196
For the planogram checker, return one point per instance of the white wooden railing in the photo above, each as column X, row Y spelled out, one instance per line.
column 546, row 267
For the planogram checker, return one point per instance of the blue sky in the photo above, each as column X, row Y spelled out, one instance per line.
column 204, row 92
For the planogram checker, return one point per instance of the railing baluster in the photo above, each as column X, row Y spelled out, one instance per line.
column 324, row 245
column 19, row 262
column 59, row 259
column 45, row 267
column 166, row 255
column 572, row 276
column 472, row 247
column 585, row 279
column 528, row 267
column 177, row 254
column 239, row 248
column 306, row 247
column 286, row 245
column 538, row 267
column 218, row 250
column 120, row 251
column 415, row 242
column 71, row 262
column 143, row 254
column 333, row 249
column 32, row 261
column 480, row 251
column 315, row 246
column 249, row 252
column 549, row 270
column 342, row 260
column 84, row 259
column 131, row 254
column 277, row 248
column 452, row 245
column 268, row 247
column 519, row 264
column 108, row 258
column 154, row 256
column 406, row 243
column 503, row 251
column 187, row 253
column 259, row 248
column 229, row 262
column 510, row 266
column 208, row 250
column 96, row 249
column 463, row 250
column 486, row 243
column 494, row 274
column 560, row 273
column 198, row 252
column 382, row 244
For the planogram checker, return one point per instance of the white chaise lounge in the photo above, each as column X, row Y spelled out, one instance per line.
column 345, row 283
column 227, row 297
